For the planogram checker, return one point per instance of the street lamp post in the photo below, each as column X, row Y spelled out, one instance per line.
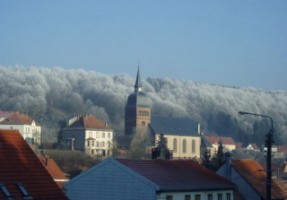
column 268, row 144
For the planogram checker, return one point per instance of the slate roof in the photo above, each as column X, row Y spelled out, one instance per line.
column 255, row 175
column 53, row 169
column 19, row 164
column 89, row 122
column 15, row 118
column 178, row 175
column 173, row 126
column 224, row 140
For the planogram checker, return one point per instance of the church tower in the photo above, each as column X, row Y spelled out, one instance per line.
column 137, row 110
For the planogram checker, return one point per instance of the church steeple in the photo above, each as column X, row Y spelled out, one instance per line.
column 138, row 83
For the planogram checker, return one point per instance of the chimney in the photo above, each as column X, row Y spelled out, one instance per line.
column 228, row 166
column 46, row 160
column 198, row 128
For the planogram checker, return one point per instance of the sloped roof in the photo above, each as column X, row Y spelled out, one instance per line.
column 282, row 149
column 178, row 175
column 19, row 164
column 255, row 175
column 89, row 122
column 224, row 140
column 14, row 118
column 173, row 126
column 54, row 170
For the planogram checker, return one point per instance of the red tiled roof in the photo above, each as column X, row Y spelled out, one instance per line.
column 14, row 118
column 89, row 122
column 19, row 164
column 216, row 139
column 255, row 175
column 58, row 175
column 282, row 149
column 178, row 175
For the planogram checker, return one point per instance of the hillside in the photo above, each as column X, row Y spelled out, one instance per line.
column 51, row 94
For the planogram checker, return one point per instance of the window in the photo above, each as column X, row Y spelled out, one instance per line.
column 5, row 191
column 97, row 143
column 23, row 190
column 197, row 197
column 109, row 135
column 175, row 145
column 97, row 134
column 184, row 146
column 168, row 197
column 219, row 196
column 187, row 197
column 102, row 144
column 88, row 143
column 209, row 197
column 193, row 147
column 93, row 143
column 228, row 196
column 103, row 135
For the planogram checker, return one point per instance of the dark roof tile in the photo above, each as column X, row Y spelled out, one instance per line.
column 178, row 175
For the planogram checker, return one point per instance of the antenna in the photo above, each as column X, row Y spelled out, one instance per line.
column 139, row 62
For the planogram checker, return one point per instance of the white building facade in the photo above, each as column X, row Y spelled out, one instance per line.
column 29, row 129
column 88, row 134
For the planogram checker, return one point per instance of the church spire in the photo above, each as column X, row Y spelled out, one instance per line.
column 138, row 83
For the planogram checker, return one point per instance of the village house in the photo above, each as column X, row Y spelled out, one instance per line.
column 29, row 128
column 53, row 169
column 214, row 141
column 150, row 180
column 88, row 134
column 252, row 147
column 250, row 178
column 22, row 175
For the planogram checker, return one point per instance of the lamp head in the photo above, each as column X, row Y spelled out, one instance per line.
column 243, row 113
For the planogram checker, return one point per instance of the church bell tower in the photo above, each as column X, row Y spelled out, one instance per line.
column 137, row 110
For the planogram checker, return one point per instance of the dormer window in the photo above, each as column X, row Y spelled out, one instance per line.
column 5, row 191
column 24, row 192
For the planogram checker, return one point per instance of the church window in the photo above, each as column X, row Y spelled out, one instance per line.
column 175, row 145
column 184, row 146
column 193, row 147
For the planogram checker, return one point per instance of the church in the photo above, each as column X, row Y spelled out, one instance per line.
column 182, row 134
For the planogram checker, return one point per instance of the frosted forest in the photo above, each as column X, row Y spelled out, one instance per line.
column 51, row 95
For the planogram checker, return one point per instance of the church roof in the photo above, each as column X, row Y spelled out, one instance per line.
column 138, row 98
column 173, row 126
column 138, row 83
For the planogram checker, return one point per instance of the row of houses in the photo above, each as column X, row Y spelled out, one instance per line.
column 95, row 137
column 24, row 175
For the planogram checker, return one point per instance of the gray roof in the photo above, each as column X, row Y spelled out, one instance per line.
column 173, row 126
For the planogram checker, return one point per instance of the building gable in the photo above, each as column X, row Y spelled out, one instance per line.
column 252, row 175
column 110, row 180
